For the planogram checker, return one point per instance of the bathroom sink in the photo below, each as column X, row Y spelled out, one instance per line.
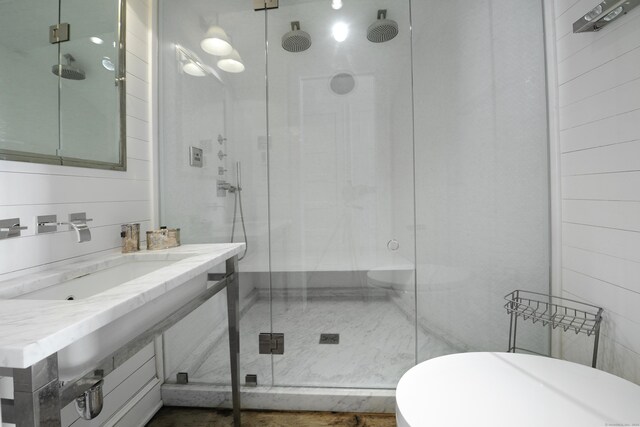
column 89, row 284
column 116, row 297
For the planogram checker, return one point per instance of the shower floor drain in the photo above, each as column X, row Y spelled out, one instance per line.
column 329, row 338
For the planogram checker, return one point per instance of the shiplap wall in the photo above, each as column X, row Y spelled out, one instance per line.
column 110, row 198
column 599, row 120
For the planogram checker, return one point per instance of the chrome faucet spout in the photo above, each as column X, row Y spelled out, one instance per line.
column 82, row 231
column 77, row 222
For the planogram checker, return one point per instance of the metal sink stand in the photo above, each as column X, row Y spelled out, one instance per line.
column 39, row 395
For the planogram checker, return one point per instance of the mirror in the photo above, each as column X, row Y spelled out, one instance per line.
column 63, row 103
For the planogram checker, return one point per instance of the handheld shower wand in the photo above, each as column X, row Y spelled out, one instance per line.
column 238, row 201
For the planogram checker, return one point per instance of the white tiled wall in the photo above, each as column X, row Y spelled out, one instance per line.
column 599, row 136
column 110, row 198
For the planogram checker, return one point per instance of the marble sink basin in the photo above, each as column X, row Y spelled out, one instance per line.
column 89, row 284
column 116, row 297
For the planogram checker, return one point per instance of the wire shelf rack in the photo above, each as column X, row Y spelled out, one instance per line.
column 563, row 313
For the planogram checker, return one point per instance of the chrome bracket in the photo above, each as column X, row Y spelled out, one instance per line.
column 182, row 378
column 251, row 380
column 265, row 4
column 271, row 343
column 59, row 33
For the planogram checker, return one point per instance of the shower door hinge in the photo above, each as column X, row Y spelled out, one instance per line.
column 265, row 4
column 271, row 343
column 59, row 33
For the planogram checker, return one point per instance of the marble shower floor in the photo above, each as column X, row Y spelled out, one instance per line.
column 376, row 347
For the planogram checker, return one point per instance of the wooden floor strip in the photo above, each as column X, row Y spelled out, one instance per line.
column 198, row 417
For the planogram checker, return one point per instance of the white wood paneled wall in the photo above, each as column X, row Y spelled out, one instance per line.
column 599, row 120
column 110, row 198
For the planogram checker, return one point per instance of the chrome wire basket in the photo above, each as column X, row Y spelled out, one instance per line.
column 563, row 313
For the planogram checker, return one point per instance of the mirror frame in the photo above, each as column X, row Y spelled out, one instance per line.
column 121, row 165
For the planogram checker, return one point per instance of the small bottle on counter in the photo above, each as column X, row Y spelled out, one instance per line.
column 130, row 234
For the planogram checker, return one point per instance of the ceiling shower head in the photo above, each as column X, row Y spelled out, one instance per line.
column 296, row 40
column 68, row 71
column 383, row 29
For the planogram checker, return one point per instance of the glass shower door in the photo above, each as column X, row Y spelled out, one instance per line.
column 221, row 111
column 321, row 122
column 341, row 192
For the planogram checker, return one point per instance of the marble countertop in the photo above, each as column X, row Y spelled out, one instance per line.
column 31, row 330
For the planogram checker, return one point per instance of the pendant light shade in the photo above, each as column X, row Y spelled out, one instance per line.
column 193, row 69
column 231, row 63
column 216, row 42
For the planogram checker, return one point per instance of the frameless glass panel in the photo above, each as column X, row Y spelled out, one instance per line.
column 89, row 92
column 29, row 100
column 216, row 111
column 481, row 169
column 341, row 200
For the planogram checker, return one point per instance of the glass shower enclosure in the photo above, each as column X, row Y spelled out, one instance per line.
column 371, row 158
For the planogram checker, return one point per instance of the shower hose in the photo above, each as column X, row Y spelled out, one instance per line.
column 238, row 201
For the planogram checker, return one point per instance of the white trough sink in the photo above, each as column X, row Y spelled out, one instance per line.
column 89, row 284
column 86, row 310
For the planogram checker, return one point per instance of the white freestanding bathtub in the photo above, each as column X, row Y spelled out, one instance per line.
column 507, row 389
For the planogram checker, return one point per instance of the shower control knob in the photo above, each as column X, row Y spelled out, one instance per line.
column 393, row 245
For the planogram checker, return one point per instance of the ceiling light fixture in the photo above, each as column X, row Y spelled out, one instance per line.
column 613, row 14
column 96, row 40
column 190, row 63
column 336, row 4
column 231, row 63
column 108, row 64
column 216, row 42
column 193, row 69
column 340, row 31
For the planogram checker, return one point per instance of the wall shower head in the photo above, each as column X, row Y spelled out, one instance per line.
column 296, row 40
column 68, row 71
column 383, row 29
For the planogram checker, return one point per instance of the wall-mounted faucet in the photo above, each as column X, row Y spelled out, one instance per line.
column 223, row 186
column 10, row 228
column 77, row 222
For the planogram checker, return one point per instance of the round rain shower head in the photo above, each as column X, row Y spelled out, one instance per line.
column 296, row 40
column 342, row 83
column 383, row 29
column 68, row 71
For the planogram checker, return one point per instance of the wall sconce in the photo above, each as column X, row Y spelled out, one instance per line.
column 604, row 13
